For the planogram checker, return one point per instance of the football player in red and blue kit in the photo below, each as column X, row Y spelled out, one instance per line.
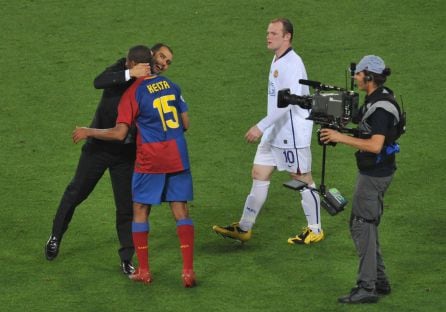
column 162, row 173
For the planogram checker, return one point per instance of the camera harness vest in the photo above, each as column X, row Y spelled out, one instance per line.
column 383, row 98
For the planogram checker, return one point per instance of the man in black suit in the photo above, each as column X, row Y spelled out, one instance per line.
column 118, row 157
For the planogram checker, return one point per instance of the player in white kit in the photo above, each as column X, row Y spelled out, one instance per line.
column 285, row 141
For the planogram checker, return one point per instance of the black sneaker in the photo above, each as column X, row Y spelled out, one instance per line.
column 52, row 247
column 127, row 267
column 383, row 287
column 359, row 295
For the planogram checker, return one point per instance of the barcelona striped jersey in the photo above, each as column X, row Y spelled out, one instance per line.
column 154, row 104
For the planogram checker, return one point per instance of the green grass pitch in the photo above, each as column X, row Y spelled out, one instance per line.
column 52, row 50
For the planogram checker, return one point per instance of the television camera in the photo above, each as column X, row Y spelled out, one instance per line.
column 328, row 109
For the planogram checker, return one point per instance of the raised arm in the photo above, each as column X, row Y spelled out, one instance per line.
column 116, row 74
column 111, row 76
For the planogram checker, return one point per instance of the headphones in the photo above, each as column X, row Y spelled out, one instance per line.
column 368, row 77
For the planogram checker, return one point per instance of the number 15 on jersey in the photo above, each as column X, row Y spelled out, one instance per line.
column 163, row 107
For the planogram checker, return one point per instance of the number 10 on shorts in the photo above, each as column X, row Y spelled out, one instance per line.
column 289, row 157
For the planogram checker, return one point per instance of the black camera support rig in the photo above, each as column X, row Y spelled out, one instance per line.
column 331, row 200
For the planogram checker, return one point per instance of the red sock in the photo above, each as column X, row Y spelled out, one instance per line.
column 185, row 231
column 140, row 241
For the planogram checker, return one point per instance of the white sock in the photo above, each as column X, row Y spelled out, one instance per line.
column 311, row 204
column 254, row 203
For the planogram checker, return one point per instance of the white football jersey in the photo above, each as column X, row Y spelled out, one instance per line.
column 286, row 127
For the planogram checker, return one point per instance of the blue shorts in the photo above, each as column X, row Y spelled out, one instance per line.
column 155, row 188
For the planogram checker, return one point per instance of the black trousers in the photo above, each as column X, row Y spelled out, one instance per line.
column 93, row 162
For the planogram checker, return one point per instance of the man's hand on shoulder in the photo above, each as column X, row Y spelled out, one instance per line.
column 140, row 70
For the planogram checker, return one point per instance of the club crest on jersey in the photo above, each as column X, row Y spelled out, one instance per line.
column 276, row 73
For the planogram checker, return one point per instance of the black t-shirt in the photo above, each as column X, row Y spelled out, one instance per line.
column 381, row 122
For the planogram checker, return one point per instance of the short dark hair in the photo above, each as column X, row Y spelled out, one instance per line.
column 140, row 54
column 159, row 45
column 287, row 26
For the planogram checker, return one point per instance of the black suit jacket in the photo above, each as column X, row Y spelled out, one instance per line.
column 112, row 81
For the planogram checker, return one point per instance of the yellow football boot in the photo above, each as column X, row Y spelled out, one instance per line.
column 233, row 231
column 306, row 237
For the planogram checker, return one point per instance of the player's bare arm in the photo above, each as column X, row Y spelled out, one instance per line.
column 118, row 133
column 253, row 134
column 185, row 119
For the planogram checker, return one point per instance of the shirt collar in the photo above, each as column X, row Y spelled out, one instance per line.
column 285, row 53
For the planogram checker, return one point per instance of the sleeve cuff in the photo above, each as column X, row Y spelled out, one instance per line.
column 262, row 124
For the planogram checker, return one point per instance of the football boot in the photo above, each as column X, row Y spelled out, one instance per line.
column 233, row 231
column 188, row 277
column 143, row 276
column 306, row 237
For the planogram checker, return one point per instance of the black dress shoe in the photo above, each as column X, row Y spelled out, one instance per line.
column 127, row 267
column 52, row 247
column 360, row 295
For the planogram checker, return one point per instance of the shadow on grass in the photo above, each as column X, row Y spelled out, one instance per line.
column 224, row 245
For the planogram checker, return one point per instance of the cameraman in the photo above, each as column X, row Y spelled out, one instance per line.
column 378, row 125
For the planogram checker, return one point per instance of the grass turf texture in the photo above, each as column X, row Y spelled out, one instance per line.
column 50, row 53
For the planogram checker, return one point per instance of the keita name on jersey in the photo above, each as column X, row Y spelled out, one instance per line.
column 158, row 86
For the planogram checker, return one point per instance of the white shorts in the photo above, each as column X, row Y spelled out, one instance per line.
column 294, row 160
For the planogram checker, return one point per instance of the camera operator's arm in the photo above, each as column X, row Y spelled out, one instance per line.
column 381, row 122
column 373, row 145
